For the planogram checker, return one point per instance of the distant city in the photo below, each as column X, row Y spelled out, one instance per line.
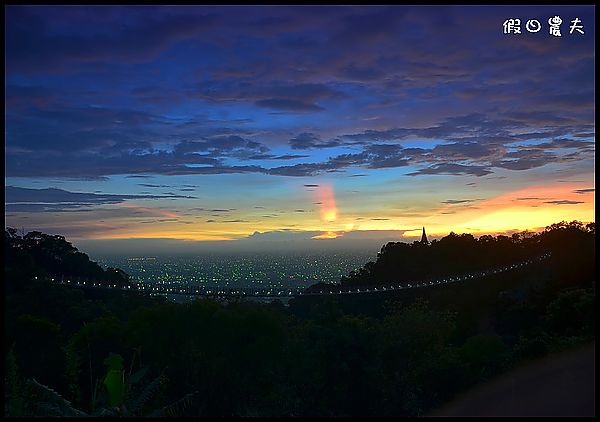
column 241, row 270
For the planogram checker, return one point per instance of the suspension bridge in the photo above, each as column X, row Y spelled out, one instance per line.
column 272, row 292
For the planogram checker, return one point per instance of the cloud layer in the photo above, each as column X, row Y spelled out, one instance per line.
column 479, row 104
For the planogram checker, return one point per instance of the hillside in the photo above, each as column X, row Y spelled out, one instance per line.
column 388, row 354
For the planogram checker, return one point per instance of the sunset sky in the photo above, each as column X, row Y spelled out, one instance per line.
column 298, row 123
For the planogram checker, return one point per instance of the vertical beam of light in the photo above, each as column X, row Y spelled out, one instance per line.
column 326, row 198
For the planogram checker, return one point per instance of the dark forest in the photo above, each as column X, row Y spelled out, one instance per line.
column 72, row 352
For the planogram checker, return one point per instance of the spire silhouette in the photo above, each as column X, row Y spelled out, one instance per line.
column 424, row 237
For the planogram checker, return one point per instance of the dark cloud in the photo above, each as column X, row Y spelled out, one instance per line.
column 288, row 157
column 308, row 141
column 562, row 143
column 165, row 220
column 525, row 159
column 360, row 73
column 163, row 163
column 307, row 169
column 288, row 105
column 279, row 96
column 87, row 95
column 52, row 199
column 148, row 185
column 462, row 151
column 582, row 191
column 19, row 97
column 458, row 201
column 219, row 146
column 385, row 156
column 563, row 202
column 92, row 129
column 218, row 210
column 529, row 198
column 453, row 169
column 373, row 156
column 32, row 46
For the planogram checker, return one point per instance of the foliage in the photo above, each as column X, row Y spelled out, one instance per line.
column 71, row 352
column 14, row 403
column 41, row 255
column 400, row 262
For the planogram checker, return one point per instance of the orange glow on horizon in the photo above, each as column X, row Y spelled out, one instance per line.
column 531, row 208
column 328, row 235
column 528, row 208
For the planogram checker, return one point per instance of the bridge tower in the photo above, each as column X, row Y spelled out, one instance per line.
column 424, row 238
